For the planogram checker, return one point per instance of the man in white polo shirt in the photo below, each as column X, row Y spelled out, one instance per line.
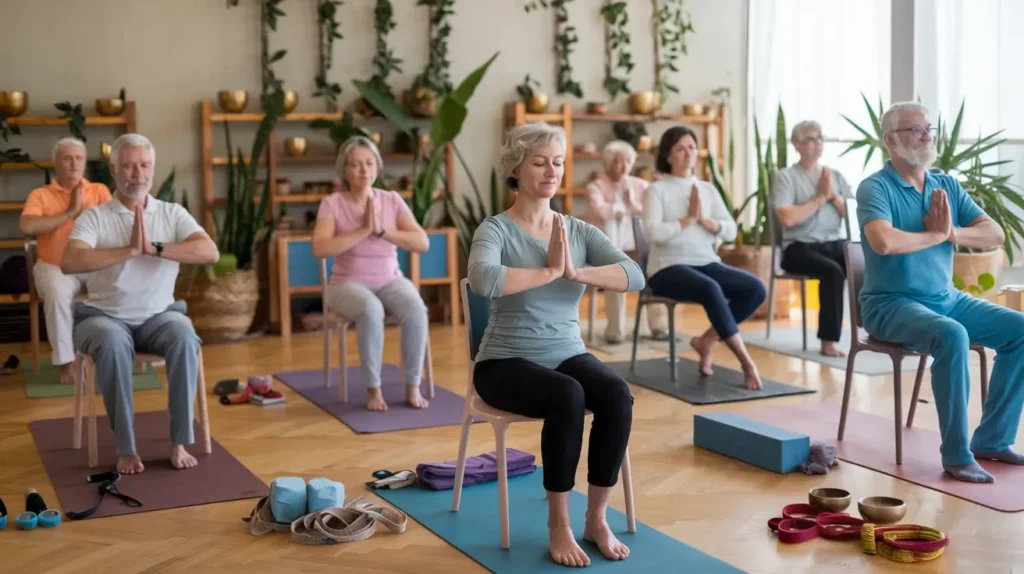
column 131, row 247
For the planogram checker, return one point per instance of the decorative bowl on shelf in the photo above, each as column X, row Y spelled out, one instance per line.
column 693, row 110
column 109, row 106
column 233, row 101
column 291, row 100
column 538, row 104
column 420, row 102
column 597, row 108
column 644, row 144
column 644, row 102
column 15, row 103
column 882, row 509
column 295, row 146
column 105, row 150
column 376, row 137
column 588, row 147
column 830, row 499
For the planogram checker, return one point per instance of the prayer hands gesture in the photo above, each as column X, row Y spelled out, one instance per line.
column 939, row 219
column 826, row 191
column 75, row 207
column 370, row 218
column 693, row 214
column 140, row 244
column 558, row 248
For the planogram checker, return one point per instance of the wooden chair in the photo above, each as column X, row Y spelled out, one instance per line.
column 647, row 297
column 775, row 232
column 861, row 341
column 85, row 384
column 34, row 300
column 333, row 321
column 476, row 312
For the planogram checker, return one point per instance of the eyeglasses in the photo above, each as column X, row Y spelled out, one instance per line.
column 919, row 131
column 814, row 139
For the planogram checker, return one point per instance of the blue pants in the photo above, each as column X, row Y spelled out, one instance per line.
column 728, row 295
column 945, row 330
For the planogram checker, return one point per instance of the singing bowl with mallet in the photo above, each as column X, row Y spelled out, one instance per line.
column 830, row 499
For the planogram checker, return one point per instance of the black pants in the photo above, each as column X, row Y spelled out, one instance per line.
column 559, row 396
column 729, row 295
column 826, row 263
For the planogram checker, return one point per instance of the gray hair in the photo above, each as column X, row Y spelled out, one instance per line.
column 524, row 138
column 130, row 140
column 346, row 148
column 802, row 127
column 890, row 120
column 617, row 147
column 66, row 142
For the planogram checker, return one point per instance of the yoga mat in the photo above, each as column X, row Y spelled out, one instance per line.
column 725, row 386
column 790, row 342
column 870, row 442
column 219, row 477
column 44, row 385
column 475, row 530
column 445, row 408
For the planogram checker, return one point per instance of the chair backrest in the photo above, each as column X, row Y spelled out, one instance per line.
column 476, row 313
column 852, row 224
column 775, row 233
column 854, row 280
column 643, row 248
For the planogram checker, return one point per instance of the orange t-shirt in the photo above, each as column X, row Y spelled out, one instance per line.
column 54, row 200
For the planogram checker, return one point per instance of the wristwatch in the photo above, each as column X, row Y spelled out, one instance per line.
column 159, row 248
column 380, row 233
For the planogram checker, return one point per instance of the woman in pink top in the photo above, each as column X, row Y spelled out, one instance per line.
column 362, row 227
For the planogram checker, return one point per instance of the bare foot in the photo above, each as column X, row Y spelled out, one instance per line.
column 375, row 400
column 597, row 531
column 828, row 348
column 703, row 348
column 129, row 464
column 564, row 549
column 181, row 459
column 414, row 398
column 752, row 379
column 67, row 374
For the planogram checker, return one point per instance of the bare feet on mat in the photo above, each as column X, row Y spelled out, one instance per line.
column 703, row 348
column 67, row 374
column 564, row 549
column 829, row 349
column 752, row 379
column 375, row 400
column 597, row 531
column 129, row 464
column 181, row 459
column 414, row 398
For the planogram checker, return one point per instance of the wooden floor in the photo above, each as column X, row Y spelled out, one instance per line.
column 714, row 504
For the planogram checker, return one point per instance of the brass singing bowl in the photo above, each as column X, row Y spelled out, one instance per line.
column 291, row 100
column 830, row 499
column 882, row 509
column 109, row 106
column 295, row 146
column 643, row 102
column 15, row 103
column 538, row 104
column 233, row 101
column 693, row 110
column 597, row 108
column 105, row 150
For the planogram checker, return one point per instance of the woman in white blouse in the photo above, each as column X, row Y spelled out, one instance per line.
column 683, row 218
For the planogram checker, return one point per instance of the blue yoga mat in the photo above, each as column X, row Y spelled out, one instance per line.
column 475, row 530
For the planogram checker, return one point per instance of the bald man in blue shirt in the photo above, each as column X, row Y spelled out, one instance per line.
column 912, row 219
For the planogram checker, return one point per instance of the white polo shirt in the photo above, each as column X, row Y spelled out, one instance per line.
column 138, row 288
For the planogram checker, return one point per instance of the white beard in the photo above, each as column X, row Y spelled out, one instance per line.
column 923, row 157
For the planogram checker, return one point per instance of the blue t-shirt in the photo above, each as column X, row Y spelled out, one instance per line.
column 927, row 275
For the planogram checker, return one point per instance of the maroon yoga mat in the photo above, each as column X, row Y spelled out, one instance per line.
column 219, row 477
column 870, row 442
column 445, row 408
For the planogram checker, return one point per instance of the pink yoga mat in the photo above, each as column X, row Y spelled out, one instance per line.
column 870, row 442
column 219, row 477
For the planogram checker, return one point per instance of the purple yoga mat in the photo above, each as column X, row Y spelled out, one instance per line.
column 219, row 477
column 445, row 408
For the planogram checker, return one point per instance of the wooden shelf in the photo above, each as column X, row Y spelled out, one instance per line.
column 253, row 117
column 12, row 205
column 12, row 243
column 644, row 118
column 647, row 156
column 55, row 121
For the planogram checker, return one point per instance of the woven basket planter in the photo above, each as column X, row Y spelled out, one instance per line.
column 221, row 310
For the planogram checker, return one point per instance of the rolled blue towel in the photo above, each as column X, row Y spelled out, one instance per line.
column 322, row 493
column 288, row 498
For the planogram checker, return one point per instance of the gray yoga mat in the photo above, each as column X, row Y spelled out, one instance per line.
column 789, row 342
column 445, row 408
column 724, row 386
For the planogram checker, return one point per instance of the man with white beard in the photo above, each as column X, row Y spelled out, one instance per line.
column 912, row 218
column 131, row 248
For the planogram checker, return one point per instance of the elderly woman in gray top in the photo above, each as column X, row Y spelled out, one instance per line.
column 534, row 265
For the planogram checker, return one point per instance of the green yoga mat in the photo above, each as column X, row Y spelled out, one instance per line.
column 44, row 385
column 476, row 532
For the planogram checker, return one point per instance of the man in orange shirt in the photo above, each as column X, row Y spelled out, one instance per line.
column 49, row 216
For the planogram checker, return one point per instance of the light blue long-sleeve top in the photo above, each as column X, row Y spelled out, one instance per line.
column 541, row 324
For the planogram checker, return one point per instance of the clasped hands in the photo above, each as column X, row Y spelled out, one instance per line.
column 559, row 255
column 939, row 219
column 140, row 243
column 695, row 214
column 370, row 218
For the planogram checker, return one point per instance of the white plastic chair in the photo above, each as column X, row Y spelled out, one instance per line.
column 334, row 321
column 476, row 408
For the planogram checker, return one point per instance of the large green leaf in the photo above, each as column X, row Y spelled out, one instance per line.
column 453, row 109
column 385, row 103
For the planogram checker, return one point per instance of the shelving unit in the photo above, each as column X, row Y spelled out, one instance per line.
column 516, row 114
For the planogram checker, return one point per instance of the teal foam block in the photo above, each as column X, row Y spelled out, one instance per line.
column 756, row 443
column 287, row 498
column 476, row 532
column 324, row 493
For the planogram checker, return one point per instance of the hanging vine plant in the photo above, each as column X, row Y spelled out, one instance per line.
column 671, row 23
column 437, row 75
column 269, row 12
column 617, row 58
column 76, row 120
column 384, row 61
column 327, row 26
column 565, row 40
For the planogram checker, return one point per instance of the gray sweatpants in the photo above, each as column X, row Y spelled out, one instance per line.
column 366, row 307
column 112, row 344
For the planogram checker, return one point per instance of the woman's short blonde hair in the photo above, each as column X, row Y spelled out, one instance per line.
column 619, row 147
column 523, row 138
column 350, row 144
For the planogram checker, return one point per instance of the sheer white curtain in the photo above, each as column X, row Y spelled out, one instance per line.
column 816, row 57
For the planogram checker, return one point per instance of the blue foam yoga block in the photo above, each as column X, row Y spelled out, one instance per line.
column 322, row 493
column 750, row 441
column 288, row 498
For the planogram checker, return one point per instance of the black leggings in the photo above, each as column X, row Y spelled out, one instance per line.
column 827, row 263
column 559, row 396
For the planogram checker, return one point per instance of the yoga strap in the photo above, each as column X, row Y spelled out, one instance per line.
column 261, row 519
column 353, row 522
column 106, row 487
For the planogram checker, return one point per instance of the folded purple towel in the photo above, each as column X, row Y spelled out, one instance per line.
column 480, row 468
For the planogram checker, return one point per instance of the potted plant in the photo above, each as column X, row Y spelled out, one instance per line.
column 536, row 102
column 433, row 82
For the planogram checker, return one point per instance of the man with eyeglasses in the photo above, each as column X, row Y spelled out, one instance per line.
column 913, row 218
column 810, row 203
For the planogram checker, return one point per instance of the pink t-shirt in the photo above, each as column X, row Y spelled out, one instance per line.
column 374, row 260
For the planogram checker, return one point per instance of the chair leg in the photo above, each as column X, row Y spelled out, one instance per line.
column 499, row 440
column 343, row 368
column 771, row 305
column 636, row 332
column 627, row 487
column 917, row 390
column 204, row 415
column 327, row 354
column 430, row 369
column 846, row 391
column 672, row 340
column 460, row 464
column 78, row 371
column 803, row 309
column 897, row 380
column 90, row 396
column 984, row 375
column 33, row 312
